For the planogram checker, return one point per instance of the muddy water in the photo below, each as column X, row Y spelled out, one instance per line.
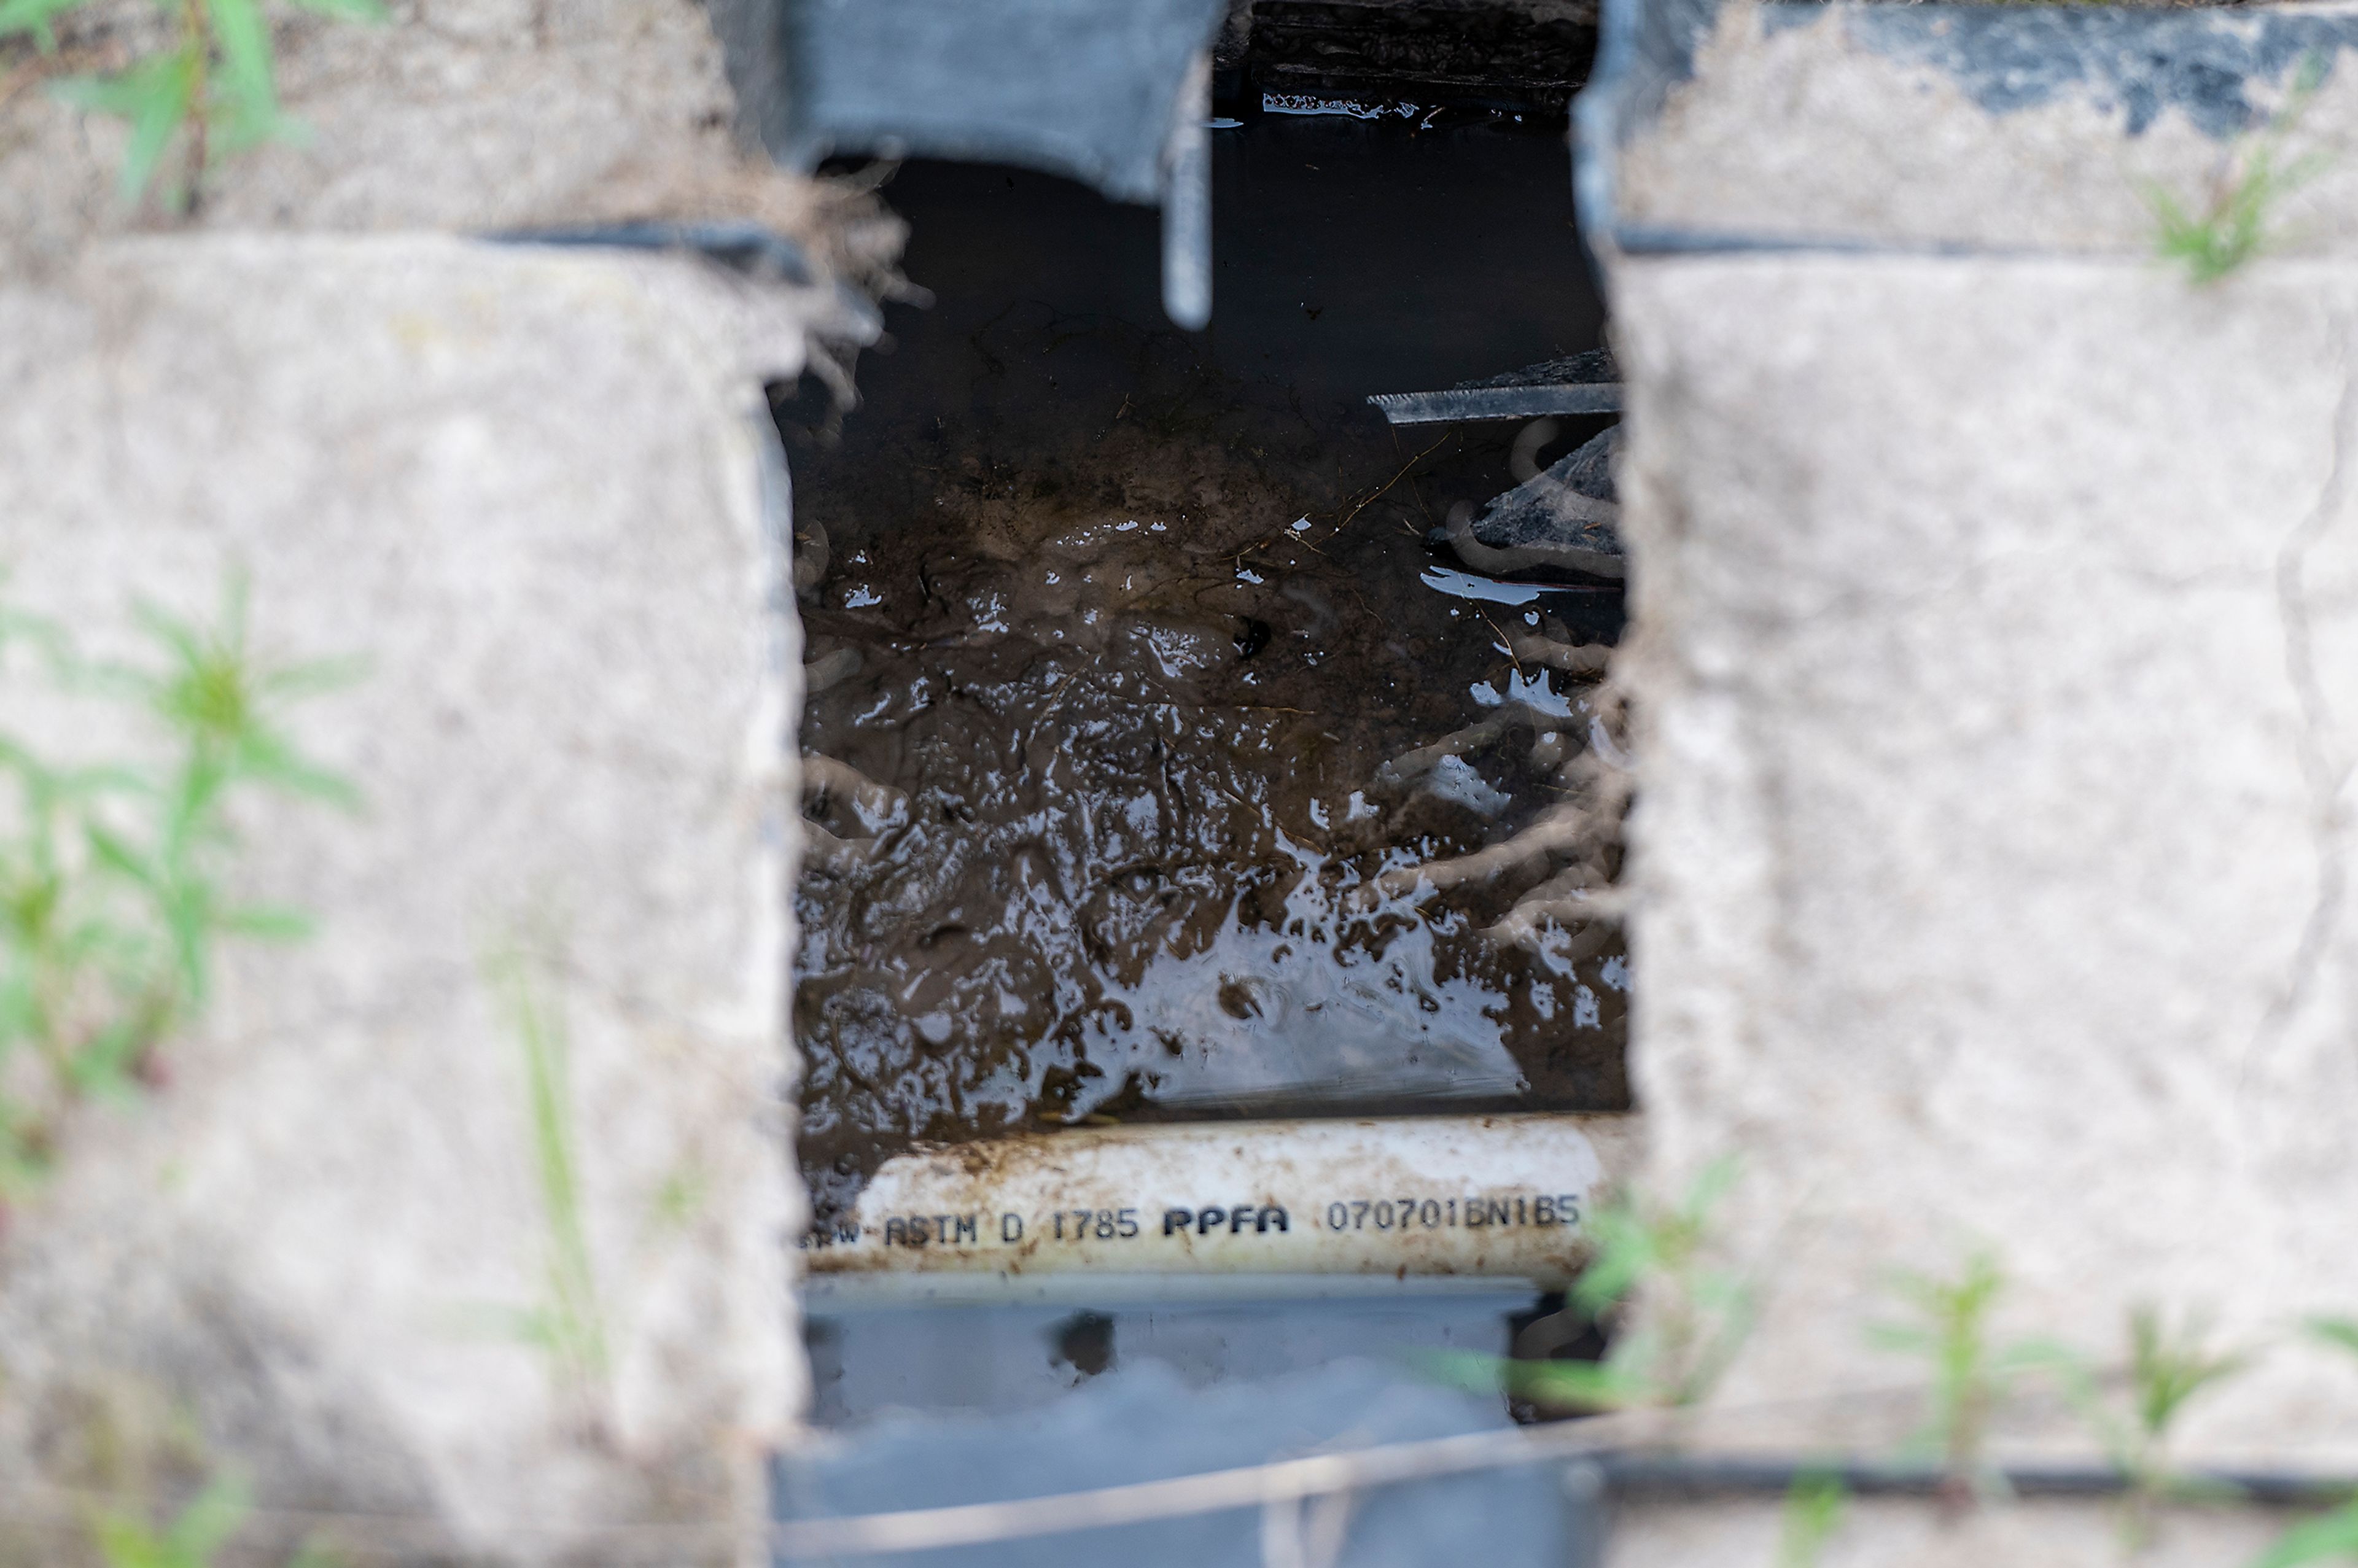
column 1128, row 660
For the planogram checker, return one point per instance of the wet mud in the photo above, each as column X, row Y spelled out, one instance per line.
column 1144, row 726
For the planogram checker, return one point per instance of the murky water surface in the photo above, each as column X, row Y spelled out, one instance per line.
column 1126, row 673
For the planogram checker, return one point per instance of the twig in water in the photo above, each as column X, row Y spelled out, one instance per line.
column 1506, row 644
column 1380, row 489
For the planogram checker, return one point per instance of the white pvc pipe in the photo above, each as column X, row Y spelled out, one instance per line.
column 1490, row 1196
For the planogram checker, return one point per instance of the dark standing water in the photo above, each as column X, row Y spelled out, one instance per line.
column 1130, row 662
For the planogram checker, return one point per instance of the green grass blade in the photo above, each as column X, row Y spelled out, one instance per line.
column 264, row 925
column 1471, row 1370
column 111, row 853
column 315, row 677
column 266, row 758
column 574, row 1317
column 1813, row 1511
column 2336, row 1331
column 125, row 1541
column 165, row 94
column 1593, row 1385
column 2332, row 1537
column 248, row 77
column 120, row 95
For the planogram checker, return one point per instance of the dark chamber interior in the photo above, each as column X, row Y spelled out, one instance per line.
column 1129, row 656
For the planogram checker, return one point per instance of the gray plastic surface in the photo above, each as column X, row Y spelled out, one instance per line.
column 1080, row 88
column 1143, row 1423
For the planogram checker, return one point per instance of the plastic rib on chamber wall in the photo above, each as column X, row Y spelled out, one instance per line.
column 1431, row 1198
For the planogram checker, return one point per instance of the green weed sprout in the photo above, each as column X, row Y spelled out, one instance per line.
column 2236, row 220
column 214, row 88
column 1813, row 1511
column 2169, row 1366
column 1972, row 1376
column 193, row 1540
column 569, row 1324
column 2329, row 1537
column 112, row 895
column 1695, row 1317
column 2167, row 1369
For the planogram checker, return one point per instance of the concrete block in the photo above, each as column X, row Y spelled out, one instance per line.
column 1996, row 652
column 1961, row 127
column 470, row 115
column 536, row 494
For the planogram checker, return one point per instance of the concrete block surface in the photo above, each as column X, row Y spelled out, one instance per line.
column 477, row 116
column 2050, row 131
column 532, row 496
column 1997, row 660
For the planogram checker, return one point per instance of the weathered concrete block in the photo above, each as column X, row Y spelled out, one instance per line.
column 472, row 115
column 1999, row 665
column 531, row 491
column 2046, row 131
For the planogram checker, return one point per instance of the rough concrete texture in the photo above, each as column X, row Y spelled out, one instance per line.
column 1884, row 123
column 470, row 115
column 528, row 489
column 1997, row 654
column 1885, row 1533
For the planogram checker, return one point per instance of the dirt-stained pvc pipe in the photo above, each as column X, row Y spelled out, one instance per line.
column 1495, row 1196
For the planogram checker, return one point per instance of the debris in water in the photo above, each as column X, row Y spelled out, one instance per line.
column 1076, row 858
